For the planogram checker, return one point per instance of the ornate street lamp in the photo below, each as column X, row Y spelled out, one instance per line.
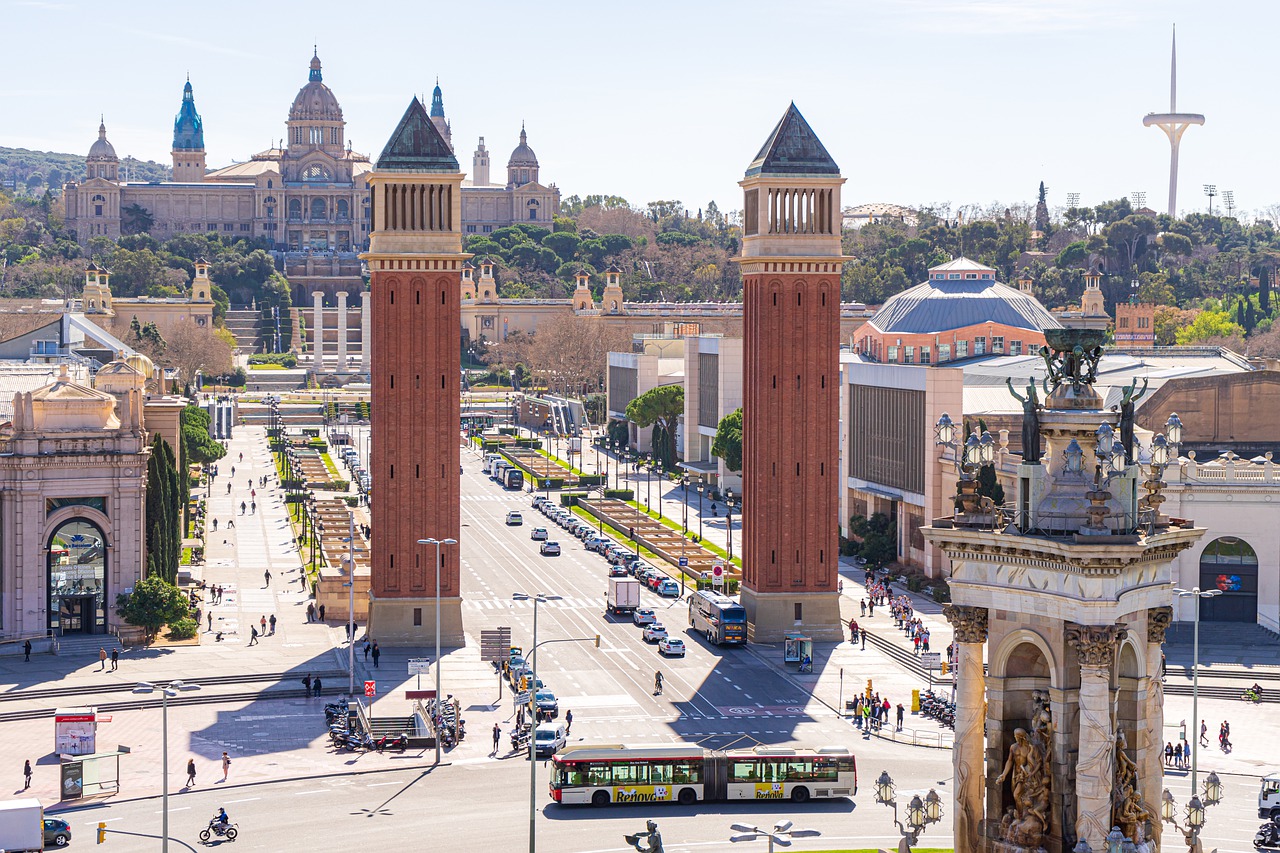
column 972, row 454
column 1073, row 458
column 1194, row 820
column 920, row 812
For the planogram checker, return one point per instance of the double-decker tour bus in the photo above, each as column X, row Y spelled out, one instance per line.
column 615, row 773
column 717, row 616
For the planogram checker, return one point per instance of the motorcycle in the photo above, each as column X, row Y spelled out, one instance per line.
column 221, row 830
column 398, row 742
column 1267, row 836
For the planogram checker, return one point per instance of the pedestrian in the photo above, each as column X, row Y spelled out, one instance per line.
column 226, row 766
column 347, row 625
column 568, row 721
column 1204, row 733
column 916, row 643
column 864, row 607
column 316, row 685
column 215, row 525
column 191, row 772
column 26, row 651
column 497, row 736
column 253, row 508
column 263, row 623
column 26, row 774
column 253, row 634
column 901, row 711
column 231, row 525
column 925, row 643
column 228, row 488
column 306, row 684
column 1168, row 754
column 1164, row 666
column 242, row 507
column 233, row 468
column 272, row 622
column 266, row 576
column 320, row 610
column 1177, row 755
column 102, row 659
column 367, row 648
column 115, row 659
column 377, row 653
column 853, row 631
column 210, row 620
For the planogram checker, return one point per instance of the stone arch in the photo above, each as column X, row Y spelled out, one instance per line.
column 78, row 549
column 1230, row 565
column 1130, row 660
column 1015, row 658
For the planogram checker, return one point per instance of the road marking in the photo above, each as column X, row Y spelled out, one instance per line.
column 382, row 784
column 176, row 809
column 317, row 791
column 245, row 800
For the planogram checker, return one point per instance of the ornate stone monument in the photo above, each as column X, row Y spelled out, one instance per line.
column 1066, row 594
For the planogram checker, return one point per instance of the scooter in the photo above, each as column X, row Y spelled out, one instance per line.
column 1267, row 837
column 398, row 742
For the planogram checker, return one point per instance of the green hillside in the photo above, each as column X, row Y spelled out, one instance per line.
column 32, row 172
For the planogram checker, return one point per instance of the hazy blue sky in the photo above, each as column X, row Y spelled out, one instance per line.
column 919, row 101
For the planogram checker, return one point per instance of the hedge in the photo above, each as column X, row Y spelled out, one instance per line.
column 284, row 359
column 620, row 494
column 571, row 499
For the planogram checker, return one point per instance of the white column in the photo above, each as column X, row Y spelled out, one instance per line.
column 970, row 624
column 1151, row 762
column 342, row 331
column 317, row 329
column 366, row 341
column 1095, row 769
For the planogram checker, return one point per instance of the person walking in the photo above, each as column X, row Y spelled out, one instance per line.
column 306, row 684
column 26, row 651
column 377, row 653
column 317, row 686
column 226, row 765
column 367, row 648
column 191, row 772
column 253, row 635
column 242, row 507
column 228, row 488
column 853, row 630
column 497, row 736
column 26, row 774
column 102, row 659
column 657, row 683
column 272, row 622
column 1204, row 733
column 320, row 610
column 901, row 711
column 311, row 611
column 568, row 722
column 253, row 507
column 115, row 659
column 266, row 577
column 210, row 620
column 263, row 623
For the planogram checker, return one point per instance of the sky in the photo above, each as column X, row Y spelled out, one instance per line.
column 920, row 102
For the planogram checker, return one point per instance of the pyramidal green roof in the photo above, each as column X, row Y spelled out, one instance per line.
column 416, row 145
column 793, row 149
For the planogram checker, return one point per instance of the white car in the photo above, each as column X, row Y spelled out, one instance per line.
column 643, row 617
column 550, row 549
column 654, row 631
column 515, row 518
column 549, row 738
column 538, row 533
column 671, row 647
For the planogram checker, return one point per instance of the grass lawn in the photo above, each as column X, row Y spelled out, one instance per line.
column 267, row 367
column 186, row 557
column 333, row 469
column 624, row 538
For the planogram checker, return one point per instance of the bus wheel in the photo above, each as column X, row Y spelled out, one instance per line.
column 800, row 795
column 600, row 798
column 688, row 796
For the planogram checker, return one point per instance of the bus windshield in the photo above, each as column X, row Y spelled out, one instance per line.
column 733, row 614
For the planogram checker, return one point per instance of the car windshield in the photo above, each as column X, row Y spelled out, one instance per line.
column 546, row 734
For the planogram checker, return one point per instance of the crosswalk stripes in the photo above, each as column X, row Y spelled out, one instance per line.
column 567, row 603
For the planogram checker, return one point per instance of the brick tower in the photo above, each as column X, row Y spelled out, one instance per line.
column 791, row 262
column 415, row 260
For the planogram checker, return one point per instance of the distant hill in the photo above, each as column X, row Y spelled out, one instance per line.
column 31, row 172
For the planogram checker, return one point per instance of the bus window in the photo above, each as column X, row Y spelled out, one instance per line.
column 660, row 773
column 744, row 771
column 630, row 774
column 573, row 775
column 599, row 775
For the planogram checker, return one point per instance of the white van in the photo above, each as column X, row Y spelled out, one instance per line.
column 549, row 737
column 1269, row 797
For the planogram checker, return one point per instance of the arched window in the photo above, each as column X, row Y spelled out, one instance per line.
column 270, row 183
column 319, row 209
column 1230, row 565
column 295, row 208
column 315, row 173
column 344, row 208
column 77, row 588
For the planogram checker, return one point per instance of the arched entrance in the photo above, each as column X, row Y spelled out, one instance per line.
column 77, row 579
column 1229, row 564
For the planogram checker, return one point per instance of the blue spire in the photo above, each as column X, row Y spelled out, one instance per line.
column 188, row 128
column 314, row 76
column 437, row 101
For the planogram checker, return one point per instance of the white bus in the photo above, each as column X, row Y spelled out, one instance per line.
column 615, row 773
column 718, row 617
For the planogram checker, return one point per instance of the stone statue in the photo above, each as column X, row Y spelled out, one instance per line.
column 1129, row 810
column 1126, row 416
column 649, row 841
column 1030, row 421
column 1027, row 768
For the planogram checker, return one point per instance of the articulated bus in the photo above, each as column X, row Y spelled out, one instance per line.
column 717, row 616
column 614, row 773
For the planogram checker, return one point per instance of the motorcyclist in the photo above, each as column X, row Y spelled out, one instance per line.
column 657, row 683
column 220, row 820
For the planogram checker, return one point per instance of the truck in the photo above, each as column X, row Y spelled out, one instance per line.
column 623, row 596
column 21, row 825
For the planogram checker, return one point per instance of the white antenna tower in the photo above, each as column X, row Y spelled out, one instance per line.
column 1139, row 199
column 1073, row 200
column 1211, row 190
column 1229, row 200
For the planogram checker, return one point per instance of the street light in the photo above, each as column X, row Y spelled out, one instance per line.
column 351, row 604
column 437, row 543
column 700, row 487
column 1196, row 593
column 920, row 812
column 684, row 530
column 728, row 519
column 537, row 599
column 781, row 833
column 1195, row 811
column 165, row 692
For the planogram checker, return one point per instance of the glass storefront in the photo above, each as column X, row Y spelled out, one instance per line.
column 1230, row 566
column 77, row 578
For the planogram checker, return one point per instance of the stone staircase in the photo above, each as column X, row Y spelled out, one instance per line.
column 276, row 381
column 1238, row 634
column 85, row 646
column 244, row 323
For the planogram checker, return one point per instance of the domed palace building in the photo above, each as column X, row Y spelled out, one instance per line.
column 959, row 312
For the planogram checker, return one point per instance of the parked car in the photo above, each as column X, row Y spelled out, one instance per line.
column 671, row 647
column 538, row 534
column 668, row 588
column 617, row 572
column 515, row 518
column 595, row 543
column 643, row 616
column 547, row 702
column 654, row 632
column 550, row 549
column 539, row 500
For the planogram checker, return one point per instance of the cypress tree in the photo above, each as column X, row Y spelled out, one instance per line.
column 164, row 537
column 1264, row 291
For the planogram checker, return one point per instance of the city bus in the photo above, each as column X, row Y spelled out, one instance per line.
column 677, row 773
column 718, row 617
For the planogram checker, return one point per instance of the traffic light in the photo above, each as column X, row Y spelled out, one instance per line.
column 946, row 667
column 102, row 831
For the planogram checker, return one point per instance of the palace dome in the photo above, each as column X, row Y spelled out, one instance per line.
column 315, row 100
column 957, row 295
column 523, row 155
column 101, row 148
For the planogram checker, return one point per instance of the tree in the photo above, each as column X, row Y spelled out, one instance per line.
column 661, row 409
column 191, row 349
column 200, row 448
column 136, row 219
column 878, row 537
column 1042, row 210
column 154, row 603
column 989, row 486
column 727, row 444
column 1208, row 324
column 164, row 500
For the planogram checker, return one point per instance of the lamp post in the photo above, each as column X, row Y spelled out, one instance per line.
column 537, row 599
column 781, row 833
column 351, row 603
column 969, row 455
column 684, row 530
column 438, row 543
column 647, row 464
column 920, row 812
column 165, row 692
column 1196, row 595
column 701, row 485
column 1195, row 811
column 728, row 519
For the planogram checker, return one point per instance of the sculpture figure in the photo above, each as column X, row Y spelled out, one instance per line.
column 1027, row 767
column 650, row 839
column 1127, row 402
column 1030, row 421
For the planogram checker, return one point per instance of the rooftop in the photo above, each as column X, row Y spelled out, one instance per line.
column 793, row 149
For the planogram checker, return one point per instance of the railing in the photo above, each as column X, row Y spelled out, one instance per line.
column 1056, row 525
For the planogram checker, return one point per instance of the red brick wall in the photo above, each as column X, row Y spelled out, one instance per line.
column 415, row 363
column 792, row 329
